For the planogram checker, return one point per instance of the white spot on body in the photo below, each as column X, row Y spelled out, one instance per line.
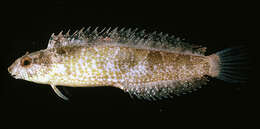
column 61, row 69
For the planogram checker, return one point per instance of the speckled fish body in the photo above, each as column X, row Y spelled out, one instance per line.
column 137, row 63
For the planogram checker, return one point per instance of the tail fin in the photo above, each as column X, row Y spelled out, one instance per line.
column 230, row 65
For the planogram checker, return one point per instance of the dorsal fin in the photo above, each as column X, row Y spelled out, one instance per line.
column 130, row 37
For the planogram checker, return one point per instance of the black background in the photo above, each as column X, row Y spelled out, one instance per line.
column 27, row 26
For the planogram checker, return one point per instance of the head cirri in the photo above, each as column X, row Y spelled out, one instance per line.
column 32, row 66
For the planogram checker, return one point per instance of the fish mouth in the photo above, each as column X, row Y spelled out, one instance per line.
column 16, row 76
column 12, row 72
column 13, row 75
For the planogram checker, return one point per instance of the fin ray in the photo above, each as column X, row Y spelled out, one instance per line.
column 58, row 92
column 132, row 37
column 234, row 64
column 163, row 89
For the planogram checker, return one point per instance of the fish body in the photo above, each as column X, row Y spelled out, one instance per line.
column 148, row 66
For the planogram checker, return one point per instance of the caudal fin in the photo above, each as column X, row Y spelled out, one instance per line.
column 231, row 64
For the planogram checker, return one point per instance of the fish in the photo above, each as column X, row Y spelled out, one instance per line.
column 148, row 66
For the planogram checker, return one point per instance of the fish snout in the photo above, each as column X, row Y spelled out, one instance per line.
column 11, row 69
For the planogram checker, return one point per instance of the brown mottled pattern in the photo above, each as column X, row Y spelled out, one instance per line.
column 138, row 63
column 165, row 66
column 184, row 67
column 113, row 65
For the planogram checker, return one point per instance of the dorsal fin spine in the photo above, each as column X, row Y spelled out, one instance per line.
column 128, row 37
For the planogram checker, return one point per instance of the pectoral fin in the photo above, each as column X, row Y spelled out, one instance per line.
column 58, row 92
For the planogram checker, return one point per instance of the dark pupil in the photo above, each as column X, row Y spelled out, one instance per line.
column 26, row 62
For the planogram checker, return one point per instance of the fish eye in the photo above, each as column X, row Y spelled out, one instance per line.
column 26, row 61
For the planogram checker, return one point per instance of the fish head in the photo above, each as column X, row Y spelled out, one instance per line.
column 32, row 67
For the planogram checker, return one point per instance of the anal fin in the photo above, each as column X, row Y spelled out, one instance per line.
column 58, row 92
column 153, row 91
